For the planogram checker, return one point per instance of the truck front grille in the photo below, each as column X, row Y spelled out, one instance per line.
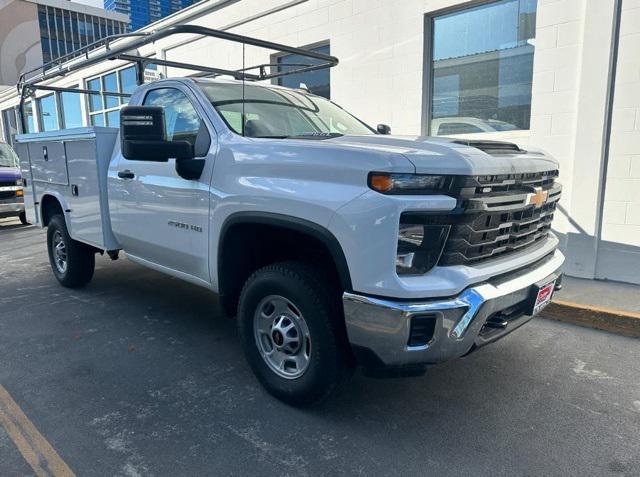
column 501, row 214
column 495, row 216
column 10, row 194
column 489, row 235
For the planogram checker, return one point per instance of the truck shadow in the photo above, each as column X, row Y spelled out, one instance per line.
column 191, row 315
column 11, row 224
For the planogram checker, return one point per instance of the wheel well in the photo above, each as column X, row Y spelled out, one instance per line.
column 50, row 206
column 246, row 246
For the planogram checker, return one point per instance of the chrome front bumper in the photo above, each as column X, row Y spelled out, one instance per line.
column 379, row 328
column 11, row 209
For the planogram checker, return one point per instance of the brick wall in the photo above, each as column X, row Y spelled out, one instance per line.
column 621, row 220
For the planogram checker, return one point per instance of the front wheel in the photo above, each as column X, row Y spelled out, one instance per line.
column 72, row 262
column 23, row 218
column 292, row 331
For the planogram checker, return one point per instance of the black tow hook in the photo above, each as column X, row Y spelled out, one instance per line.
column 496, row 322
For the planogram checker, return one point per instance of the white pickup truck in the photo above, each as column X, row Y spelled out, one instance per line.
column 333, row 244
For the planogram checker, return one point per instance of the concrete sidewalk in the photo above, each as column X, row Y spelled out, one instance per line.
column 601, row 294
column 605, row 305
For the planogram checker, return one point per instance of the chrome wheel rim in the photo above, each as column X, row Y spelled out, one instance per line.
column 282, row 337
column 59, row 252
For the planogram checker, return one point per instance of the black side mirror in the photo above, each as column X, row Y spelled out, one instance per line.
column 142, row 136
column 383, row 129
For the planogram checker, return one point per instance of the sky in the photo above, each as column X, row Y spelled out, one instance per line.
column 93, row 3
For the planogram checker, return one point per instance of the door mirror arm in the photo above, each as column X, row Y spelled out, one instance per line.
column 190, row 169
column 383, row 129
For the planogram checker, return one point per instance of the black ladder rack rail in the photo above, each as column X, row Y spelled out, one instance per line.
column 31, row 81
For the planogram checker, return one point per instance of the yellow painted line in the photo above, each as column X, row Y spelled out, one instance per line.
column 35, row 449
column 598, row 309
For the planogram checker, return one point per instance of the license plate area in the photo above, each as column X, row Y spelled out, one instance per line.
column 541, row 295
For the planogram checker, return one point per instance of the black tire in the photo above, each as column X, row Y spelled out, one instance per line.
column 23, row 218
column 330, row 361
column 80, row 259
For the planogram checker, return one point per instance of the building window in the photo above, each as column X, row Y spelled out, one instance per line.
column 48, row 113
column 104, row 110
column 64, row 31
column 9, row 125
column 318, row 82
column 44, row 33
column 28, row 114
column 482, row 68
column 128, row 82
column 71, row 109
column 110, row 83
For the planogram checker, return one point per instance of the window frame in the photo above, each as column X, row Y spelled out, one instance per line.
column 427, row 62
column 39, row 119
column 104, row 111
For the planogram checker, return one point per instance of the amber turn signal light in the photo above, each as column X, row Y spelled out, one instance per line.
column 381, row 183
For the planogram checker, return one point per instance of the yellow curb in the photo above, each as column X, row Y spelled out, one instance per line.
column 599, row 309
column 621, row 322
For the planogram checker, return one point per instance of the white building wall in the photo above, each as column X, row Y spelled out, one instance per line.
column 619, row 251
column 380, row 44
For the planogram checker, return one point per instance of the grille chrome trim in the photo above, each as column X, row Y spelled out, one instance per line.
column 506, row 202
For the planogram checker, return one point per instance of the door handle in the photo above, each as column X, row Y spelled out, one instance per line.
column 126, row 174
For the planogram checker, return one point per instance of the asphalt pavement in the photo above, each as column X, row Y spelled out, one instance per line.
column 138, row 375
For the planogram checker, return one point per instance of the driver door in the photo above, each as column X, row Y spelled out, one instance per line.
column 161, row 217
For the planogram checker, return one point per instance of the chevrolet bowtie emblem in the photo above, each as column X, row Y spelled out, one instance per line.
column 538, row 198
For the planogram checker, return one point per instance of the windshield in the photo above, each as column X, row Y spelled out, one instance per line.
column 280, row 113
column 7, row 157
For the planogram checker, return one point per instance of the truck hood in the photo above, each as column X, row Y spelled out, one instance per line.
column 445, row 156
column 9, row 174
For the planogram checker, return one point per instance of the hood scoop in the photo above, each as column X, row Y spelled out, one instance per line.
column 492, row 147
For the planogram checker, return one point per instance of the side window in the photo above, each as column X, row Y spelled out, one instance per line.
column 182, row 122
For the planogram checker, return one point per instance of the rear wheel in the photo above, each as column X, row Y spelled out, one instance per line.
column 292, row 331
column 72, row 262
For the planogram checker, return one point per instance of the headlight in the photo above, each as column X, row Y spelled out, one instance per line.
column 419, row 245
column 387, row 183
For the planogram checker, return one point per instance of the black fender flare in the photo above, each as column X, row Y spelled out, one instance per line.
column 296, row 224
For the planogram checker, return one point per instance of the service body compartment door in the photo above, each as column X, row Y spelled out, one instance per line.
column 71, row 165
column 86, row 220
column 49, row 162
